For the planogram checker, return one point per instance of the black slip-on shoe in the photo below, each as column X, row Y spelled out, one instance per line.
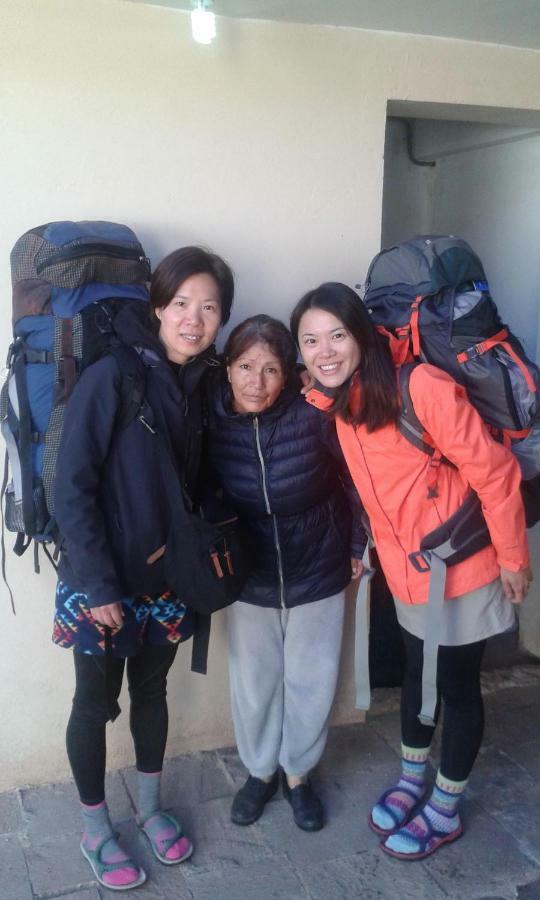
column 250, row 800
column 307, row 808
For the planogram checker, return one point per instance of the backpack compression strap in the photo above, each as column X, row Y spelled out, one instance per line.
column 411, row 329
column 361, row 633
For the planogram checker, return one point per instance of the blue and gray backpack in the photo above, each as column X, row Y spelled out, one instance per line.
column 69, row 281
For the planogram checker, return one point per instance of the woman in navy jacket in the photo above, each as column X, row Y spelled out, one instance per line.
column 280, row 467
column 113, row 513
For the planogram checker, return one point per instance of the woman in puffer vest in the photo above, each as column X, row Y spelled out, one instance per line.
column 356, row 380
column 280, row 467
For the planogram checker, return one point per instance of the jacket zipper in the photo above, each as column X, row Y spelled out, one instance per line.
column 81, row 250
column 270, row 513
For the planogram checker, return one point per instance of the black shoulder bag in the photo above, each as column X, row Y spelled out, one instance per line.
column 205, row 562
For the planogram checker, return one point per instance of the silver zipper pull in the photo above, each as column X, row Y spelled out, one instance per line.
column 146, row 424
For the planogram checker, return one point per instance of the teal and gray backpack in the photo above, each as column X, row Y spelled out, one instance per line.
column 69, row 281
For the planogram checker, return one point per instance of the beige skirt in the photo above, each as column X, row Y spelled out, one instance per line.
column 473, row 616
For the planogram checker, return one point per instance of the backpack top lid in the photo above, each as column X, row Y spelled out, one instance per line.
column 61, row 267
column 423, row 266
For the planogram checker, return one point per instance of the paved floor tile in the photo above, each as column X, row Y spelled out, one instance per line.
column 233, row 766
column 354, row 746
column 219, row 843
column 496, row 775
column 57, row 864
column 513, row 697
column 509, row 727
column 272, row 879
column 14, row 884
column 486, row 862
column 189, row 779
column 10, row 813
column 84, row 894
column 529, row 891
column 54, row 809
column 527, row 756
column 388, row 728
column 345, row 832
column 51, row 810
column 369, row 876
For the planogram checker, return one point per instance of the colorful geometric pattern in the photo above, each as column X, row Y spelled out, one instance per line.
column 147, row 620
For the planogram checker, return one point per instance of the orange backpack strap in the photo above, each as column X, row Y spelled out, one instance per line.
column 499, row 338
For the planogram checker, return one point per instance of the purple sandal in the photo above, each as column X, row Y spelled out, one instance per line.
column 409, row 814
column 428, row 841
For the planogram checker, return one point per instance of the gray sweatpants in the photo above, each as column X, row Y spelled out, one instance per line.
column 283, row 666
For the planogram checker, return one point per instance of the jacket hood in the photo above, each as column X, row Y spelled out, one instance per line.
column 133, row 326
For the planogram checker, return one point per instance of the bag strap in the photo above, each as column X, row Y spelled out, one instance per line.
column 180, row 506
column 67, row 364
column 3, row 540
column 361, row 633
column 25, row 444
column 133, row 383
column 411, row 331
column 201, row 640
column 113, row 707
column 432, row 630
column 409, row 425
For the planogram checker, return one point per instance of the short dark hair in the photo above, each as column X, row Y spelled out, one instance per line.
column 268, row 331
column 380, row 403
column 181, row 264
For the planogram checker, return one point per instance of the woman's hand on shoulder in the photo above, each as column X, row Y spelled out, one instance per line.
column 307, row 381
column 516, row 584
column 111, row 614
column 357, row 568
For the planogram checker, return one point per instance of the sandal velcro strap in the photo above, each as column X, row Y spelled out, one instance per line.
column 161, row 848
column 398, row 823
column 428, row 842
column 100, row 867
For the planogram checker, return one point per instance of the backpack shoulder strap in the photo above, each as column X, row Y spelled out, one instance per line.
column 409, row 425
column 133, row 388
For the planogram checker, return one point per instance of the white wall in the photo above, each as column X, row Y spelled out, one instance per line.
column 408, row 189
column 267, row 146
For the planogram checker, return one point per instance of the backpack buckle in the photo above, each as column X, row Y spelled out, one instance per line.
column 420, row 561
column 13, row 350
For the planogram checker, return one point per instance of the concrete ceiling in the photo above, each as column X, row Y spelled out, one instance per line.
column 510, row 22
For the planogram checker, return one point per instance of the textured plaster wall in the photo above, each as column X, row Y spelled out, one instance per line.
column 267, row 146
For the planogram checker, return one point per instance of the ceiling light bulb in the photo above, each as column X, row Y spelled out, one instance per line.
column 203, row 23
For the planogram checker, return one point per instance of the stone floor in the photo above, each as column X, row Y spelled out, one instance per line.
column 499, row 857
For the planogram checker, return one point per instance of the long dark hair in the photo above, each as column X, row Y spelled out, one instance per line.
column 181, row 264
column 379, row 398
column 268, row 331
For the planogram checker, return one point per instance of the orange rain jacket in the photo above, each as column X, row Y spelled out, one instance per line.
column 391, row 476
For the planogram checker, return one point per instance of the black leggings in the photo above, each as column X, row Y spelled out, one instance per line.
column 85, row 737
column 458, row 685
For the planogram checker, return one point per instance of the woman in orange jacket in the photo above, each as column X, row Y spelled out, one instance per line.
column 355, row 381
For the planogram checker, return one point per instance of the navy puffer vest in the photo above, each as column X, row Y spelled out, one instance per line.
column 279, row 471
